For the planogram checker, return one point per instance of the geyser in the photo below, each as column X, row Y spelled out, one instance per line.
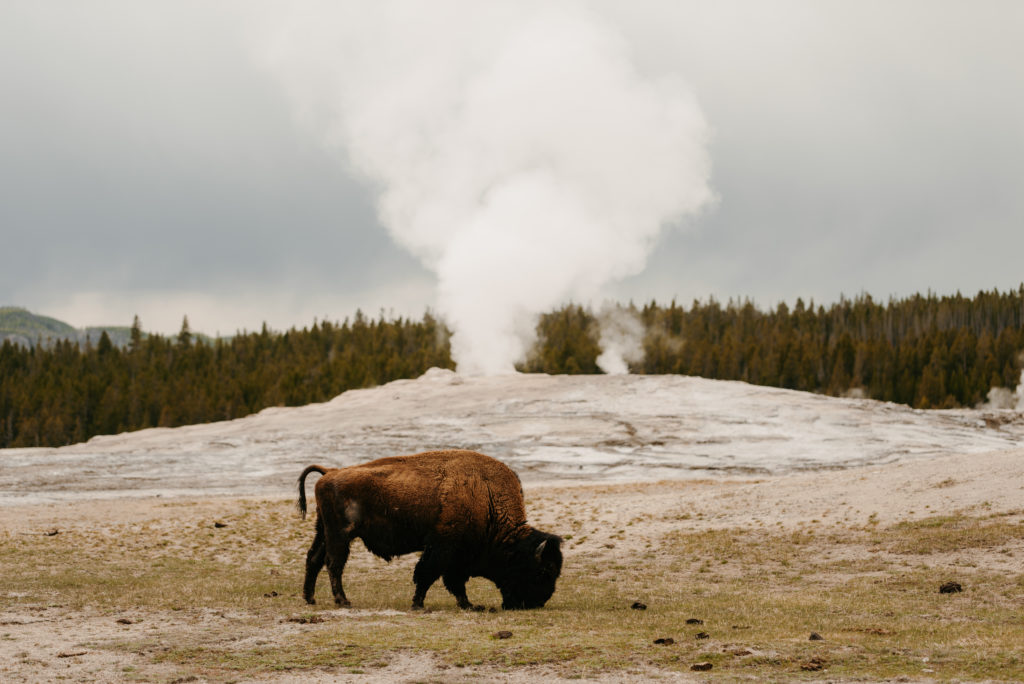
column 516, row 150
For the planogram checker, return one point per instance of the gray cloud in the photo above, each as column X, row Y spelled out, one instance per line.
column 859, row 146
column 871, row 147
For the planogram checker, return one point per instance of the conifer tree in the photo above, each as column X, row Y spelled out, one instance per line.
column 136, row 335
column 185, row 335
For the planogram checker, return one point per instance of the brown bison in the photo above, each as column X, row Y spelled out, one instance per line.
column 462, row 509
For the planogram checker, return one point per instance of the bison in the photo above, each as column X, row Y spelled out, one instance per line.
column 462, row 509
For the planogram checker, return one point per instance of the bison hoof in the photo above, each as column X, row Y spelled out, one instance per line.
column 342, row 603
column 310, row 600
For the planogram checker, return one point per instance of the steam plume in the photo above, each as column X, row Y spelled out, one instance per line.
column 621, row 340
column 516, row 151
column 1003, row 398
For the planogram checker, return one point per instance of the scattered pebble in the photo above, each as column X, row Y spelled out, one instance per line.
column 271, row 594
column 220, row 524
column 639, row 606
column 816, row 637
column 950, row 588
column 740, row 652
column 492, row 609
column 703, row 635
column 71, row 654
column 306, row 620
column 125, row 621
column 503, row 634
column 667, row 641
column 695, row 621
column 701, row 667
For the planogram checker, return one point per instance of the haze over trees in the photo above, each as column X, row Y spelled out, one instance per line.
column 925, row 351
column 25, row 328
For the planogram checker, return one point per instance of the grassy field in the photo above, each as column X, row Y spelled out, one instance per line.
column 223, row 602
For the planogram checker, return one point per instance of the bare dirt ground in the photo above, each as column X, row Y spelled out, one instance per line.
column 54, row 642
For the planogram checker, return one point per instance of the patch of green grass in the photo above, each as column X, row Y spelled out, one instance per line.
column 943, row 534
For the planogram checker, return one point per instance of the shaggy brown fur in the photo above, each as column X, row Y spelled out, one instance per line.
column 462, row 509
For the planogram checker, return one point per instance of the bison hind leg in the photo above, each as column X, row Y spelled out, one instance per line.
column 314, row 562
column 336, row 560
column 337, row 539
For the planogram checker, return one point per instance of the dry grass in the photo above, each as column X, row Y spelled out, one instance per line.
column 232, row 594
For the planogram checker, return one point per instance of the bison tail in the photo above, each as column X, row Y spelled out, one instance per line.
column 302, row 486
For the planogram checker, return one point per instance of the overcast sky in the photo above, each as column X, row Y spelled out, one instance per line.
column 151, row 164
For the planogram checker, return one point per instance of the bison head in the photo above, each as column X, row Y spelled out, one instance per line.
column 533, row 567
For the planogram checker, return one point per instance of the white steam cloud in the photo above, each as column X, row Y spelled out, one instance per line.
column 1003, row 398
column 621, row 339
column 516, row 151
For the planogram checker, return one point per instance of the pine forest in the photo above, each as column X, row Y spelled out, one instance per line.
column 925, row 351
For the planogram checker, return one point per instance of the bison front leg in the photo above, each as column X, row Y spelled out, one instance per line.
column 429, row 567
column 314, row 562
column 455, row 582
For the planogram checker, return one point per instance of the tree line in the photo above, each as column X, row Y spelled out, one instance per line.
column 925, row 351
column 62, row 393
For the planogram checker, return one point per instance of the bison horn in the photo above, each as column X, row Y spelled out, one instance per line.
column 540, row 549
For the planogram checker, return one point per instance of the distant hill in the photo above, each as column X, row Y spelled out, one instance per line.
column 23, row 327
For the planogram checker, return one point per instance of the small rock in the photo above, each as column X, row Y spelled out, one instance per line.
column 503, row 634
column 125, row 621
column 52, row 533
column 701, row 667
column 739, row 652
column 695, row 621
column 492, row 609
column 71, row 654
column 667, row 641
column 816, row 637
column 639, row 606
column 220, row 524
column 270, row 594
column 950, row 588
column 702, row 635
